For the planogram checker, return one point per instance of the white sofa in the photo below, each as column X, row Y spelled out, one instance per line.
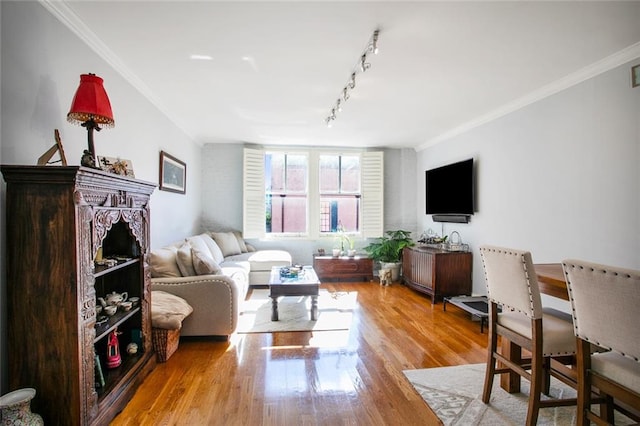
column 212, row 272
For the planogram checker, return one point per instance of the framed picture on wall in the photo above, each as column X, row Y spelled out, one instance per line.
column 173, row 174
column 635, row 76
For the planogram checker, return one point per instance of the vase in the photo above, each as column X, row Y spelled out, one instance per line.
column 15, row 409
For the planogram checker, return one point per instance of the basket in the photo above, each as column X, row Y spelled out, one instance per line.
column 456, row 244
column 165, row 342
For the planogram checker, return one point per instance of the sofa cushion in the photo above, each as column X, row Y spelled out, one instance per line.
column 185, row 261
column 241, row 243
column 262, row 260
column 163, row 263
column 203, row 262
column 213, row 247
column 227, row 242
column 168, row 310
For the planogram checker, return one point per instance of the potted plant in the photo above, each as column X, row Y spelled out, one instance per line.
column 388, row 250
column 343, row 241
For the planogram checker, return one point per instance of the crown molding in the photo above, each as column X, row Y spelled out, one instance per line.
column 71, row 20
column 608, row 63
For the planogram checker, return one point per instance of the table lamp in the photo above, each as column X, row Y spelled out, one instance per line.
column 89, row 108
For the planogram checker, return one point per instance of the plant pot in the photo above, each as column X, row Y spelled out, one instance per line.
column 336, row 252
column 395, row 269
column 351, row 253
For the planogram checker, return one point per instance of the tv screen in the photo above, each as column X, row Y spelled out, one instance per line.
column 449, row 189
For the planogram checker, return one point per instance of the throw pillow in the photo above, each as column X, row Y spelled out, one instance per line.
column 227, row 242
column 203, row 263
column 212, row 246
column 241, row 243
column 185, row 262
column 163, row 263
column 168, row 310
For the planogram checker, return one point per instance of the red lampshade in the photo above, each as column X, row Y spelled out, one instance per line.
column 91, row 102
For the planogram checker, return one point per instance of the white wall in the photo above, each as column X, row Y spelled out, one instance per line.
column 41, row 66
column 559, row 178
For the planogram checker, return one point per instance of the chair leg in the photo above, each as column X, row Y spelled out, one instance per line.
column 492, row 348
column 584, row 383
column 606, row 410
column 537, row 374
column 546, row 376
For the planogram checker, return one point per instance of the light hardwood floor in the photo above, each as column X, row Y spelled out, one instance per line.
column 320, row 378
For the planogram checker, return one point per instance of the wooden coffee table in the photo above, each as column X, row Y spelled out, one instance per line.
column 305, row 284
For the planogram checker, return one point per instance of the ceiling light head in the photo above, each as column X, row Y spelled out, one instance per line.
column 374, row 42
column 364, row 65
column 352, row 81
column 339, row 105
column 345, row 94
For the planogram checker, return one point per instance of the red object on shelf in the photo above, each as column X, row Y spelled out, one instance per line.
column 113, row 350
column 91, row 102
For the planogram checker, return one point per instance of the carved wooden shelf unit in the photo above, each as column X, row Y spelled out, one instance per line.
column 58, row 220
column 437, row 273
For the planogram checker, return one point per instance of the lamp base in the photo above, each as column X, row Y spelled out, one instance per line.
column 89, row 155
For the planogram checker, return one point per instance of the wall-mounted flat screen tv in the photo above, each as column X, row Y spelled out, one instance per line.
column 449, row 189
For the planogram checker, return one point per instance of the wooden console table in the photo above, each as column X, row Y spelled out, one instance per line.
column 343, row 267
column 437, row 273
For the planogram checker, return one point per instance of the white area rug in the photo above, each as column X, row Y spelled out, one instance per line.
column 335, row 310
column 454, row 394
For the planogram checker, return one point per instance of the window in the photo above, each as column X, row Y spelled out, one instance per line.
column 308, row 194
column 285, row 192
column 339, row 182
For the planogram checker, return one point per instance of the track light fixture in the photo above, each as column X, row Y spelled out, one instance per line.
column 362, row 65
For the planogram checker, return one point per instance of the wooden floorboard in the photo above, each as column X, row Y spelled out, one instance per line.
column 349, row 377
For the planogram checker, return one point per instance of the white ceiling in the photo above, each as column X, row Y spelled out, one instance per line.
column 277, row 68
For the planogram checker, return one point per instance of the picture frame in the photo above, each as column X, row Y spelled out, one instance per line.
column 117, row 166
column 173, row 174
column 635, row 76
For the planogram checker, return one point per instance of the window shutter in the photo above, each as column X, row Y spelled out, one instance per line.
column 372, row 194
column 253, row 199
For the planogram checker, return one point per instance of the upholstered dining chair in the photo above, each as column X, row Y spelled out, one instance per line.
column 512, row 283
column 604, row 301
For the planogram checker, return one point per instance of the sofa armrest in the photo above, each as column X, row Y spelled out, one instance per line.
column 215, row 299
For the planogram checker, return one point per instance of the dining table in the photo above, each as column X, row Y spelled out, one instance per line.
column 550, row 282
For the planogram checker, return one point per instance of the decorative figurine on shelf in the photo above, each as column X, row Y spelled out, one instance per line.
column 113, row 350
column 87, row 160
column 132, row 348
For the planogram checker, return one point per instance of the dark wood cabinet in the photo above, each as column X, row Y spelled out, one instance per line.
column 437, row 273
column 343, row 267
column 60, row 220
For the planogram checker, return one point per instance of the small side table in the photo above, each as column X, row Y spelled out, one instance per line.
column 343, row 268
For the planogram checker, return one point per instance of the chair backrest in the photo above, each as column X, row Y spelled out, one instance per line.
column 605, row 301
column 511, row 280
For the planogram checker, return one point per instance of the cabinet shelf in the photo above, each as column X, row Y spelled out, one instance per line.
column 100, row 270
column 103, row 330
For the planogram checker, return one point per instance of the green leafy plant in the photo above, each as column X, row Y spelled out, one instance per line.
column 388, row 249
